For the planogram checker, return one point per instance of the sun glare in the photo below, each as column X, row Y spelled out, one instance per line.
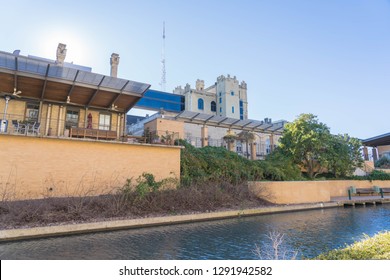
column 75, row 44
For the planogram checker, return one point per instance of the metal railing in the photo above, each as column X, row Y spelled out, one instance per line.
column 54, row 127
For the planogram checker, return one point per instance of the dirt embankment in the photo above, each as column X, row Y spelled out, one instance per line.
column 126, row 205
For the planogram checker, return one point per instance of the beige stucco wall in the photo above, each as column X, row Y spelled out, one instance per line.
column 30, row 166
column 192, row 101
column 308, row 191
column 163, row 125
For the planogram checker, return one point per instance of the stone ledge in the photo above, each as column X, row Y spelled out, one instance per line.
column 61, row 230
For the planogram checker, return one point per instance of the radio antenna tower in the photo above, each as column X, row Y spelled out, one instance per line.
column 163, row 72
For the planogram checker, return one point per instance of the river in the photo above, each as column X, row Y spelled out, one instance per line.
column 308, row 233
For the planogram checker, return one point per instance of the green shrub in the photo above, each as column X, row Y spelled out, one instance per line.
column 375, row 175
column 217, row 164
column 383, row 162
column 146, row 183
column 374, row 248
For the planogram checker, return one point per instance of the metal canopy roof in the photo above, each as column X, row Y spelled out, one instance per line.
column 219, row 121
column 380, row 140
column 45, row 81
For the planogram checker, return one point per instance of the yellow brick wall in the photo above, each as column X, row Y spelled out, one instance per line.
column 308, row 192
column 15, row 111
column 31, row 166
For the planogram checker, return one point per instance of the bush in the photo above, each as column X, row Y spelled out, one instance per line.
column 374, row 248
column 217, row 164
column 375, row 175
column 383, row 162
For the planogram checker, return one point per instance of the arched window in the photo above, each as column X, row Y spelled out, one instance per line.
column 200, row 104
column 213, row 106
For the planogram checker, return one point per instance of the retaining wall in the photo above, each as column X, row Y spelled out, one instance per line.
column 33, row 167
column 292, row 192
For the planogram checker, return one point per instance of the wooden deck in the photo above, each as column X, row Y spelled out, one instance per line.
column 93, row 133
column 361, row 200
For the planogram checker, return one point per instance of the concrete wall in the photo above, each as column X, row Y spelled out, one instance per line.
column 308, row 191
column 32, row 167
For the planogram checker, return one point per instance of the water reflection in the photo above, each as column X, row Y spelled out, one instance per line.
column 309, row 232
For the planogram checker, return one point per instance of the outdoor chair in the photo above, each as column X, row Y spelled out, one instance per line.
column 34, row 128
column 16, row 126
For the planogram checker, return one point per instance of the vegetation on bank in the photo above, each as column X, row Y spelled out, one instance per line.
column 371, row 248
column 143, row 197
column 309, row 144
column 217, row 164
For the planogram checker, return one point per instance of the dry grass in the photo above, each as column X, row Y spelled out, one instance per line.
column 126, row 204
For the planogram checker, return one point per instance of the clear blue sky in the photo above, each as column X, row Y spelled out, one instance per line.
column 330, row 58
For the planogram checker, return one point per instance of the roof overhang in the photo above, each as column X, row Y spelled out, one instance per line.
column 48, row 82
column 381, row 140
column 230, row 123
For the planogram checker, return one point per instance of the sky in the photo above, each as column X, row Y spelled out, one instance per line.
column 329, row 58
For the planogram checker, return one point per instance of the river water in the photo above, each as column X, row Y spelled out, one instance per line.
column 308, row 233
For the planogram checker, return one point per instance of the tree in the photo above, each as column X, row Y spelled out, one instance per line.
column 309, row 144
column 230, row 138
column 247, row 137
column 343, row 155
column 305, row 140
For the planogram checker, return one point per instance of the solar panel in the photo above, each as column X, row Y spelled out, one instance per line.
column 213, row 120
column 39, row 67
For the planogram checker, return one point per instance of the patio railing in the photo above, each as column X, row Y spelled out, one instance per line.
column 21, row 125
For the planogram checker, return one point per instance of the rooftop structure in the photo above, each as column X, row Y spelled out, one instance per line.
column 49, row 81
column 380, row 146
column 379, row 140
column 55, row 98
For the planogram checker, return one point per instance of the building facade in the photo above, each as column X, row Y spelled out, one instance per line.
column 227, row 97
column 54, row 98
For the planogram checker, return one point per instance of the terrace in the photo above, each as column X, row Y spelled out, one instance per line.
column 41, row 97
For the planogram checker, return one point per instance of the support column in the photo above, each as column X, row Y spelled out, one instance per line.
column 231, row 146
column 271, row 142
column 40, row 111
column 374, row 154
column 365, row 153
column 59, row 122
column 253, row 151
column 124, row 125
column 48, row 119
column 118, row 125
column 86, row 118
column 204, row 132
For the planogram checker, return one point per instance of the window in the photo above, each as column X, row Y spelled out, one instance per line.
column 104, row 121
column 220, row 109
column 200, row 104
column 220, row 100
column 241, row 110
column 72, row 118
column 232, row 109
column 220, row 93
column 232, row 93
column 213, row 106
column 32, row 111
